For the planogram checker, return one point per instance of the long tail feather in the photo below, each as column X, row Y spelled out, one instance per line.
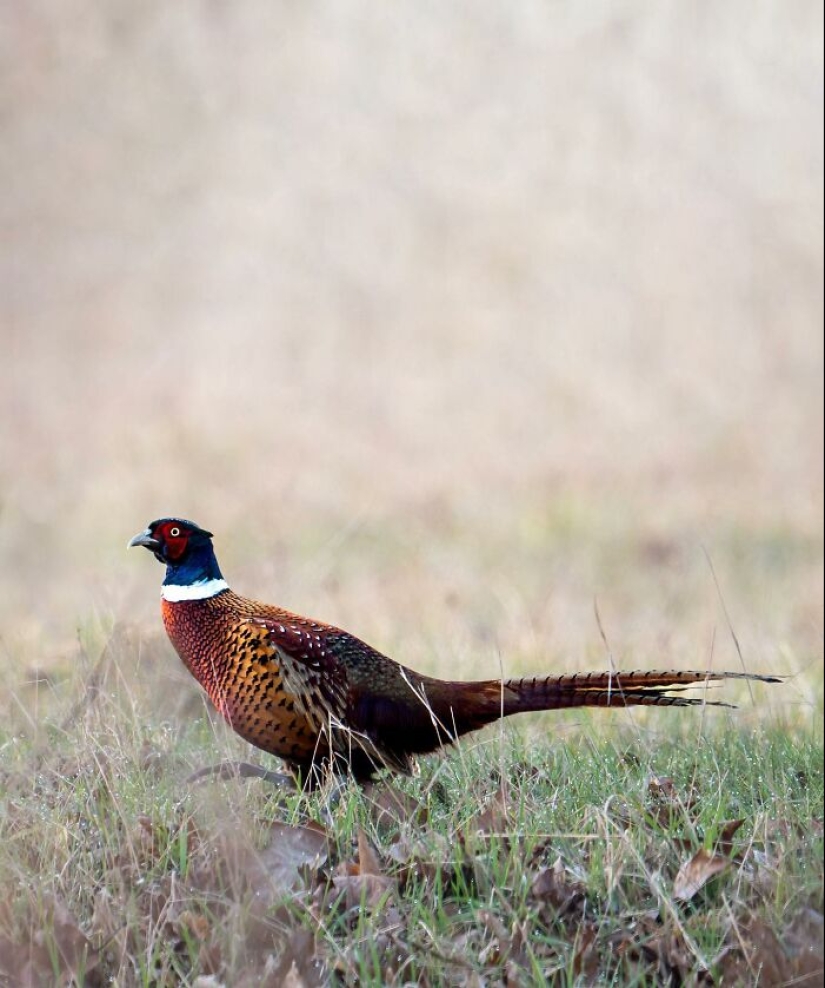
column 643, row 688
column 443, row 710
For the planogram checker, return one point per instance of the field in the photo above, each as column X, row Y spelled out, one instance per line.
column 491, row 334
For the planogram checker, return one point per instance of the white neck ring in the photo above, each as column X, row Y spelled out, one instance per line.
column 194, row 591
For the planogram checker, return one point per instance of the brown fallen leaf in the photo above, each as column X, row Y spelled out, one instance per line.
column 231, row 865
column 298, row 966
column 758, row 955
column 76, row 953
column 696, row 873
column 646, row 941
column 506, row 946
column 363, row 882
column 23, row 965
column 661, row 787
column 58, row 947
column 391, row 806
column 196, row 927
column 193, row 924
column 554, row 886
column 496, row 949
column 586, row 957
column 289, row 849
column 805, row 944
column 368, row 861
column 666, row 805
column 724, row 842
column 429, row 861
column 493, row 819
column 364, row 891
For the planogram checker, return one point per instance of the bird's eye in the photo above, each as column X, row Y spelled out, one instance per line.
column 174, row 532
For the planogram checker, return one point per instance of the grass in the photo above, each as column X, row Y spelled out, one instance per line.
column 524, row 855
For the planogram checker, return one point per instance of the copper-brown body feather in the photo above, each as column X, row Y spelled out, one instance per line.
column 314, row 694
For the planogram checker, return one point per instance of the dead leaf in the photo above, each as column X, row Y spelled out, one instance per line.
column 363, row 882
column 493, row 819
column 506, row 946
column 57, row 941
column 429, row 861
column 288, row 850
column 151, row 758
column 195, row 925
column 554, row 886
column 104, row 922
column 23, row 965
column 391, row 806
column 666, row 804
column 661, row 787
column 758, row 955
column 368, row 861
column 696, row 873
column 586, row 957
column 230, row 865
column 364, row 891
column 259, row 932
column 724, row 843
column 197, row 928
column 298, row 965
column 645, row 941
column 109, row 929
column 803, row 939
column 76, row 953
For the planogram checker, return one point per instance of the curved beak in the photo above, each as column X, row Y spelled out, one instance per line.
column 145, row 539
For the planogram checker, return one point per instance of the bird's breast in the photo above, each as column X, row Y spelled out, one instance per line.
column 232, row 658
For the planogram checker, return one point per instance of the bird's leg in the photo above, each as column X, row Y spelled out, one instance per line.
column 241, row 770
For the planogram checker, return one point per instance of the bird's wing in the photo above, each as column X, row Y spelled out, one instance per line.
column 317, row 666
column 308, row 671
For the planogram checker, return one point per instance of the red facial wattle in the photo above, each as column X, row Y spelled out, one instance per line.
column 175, row 537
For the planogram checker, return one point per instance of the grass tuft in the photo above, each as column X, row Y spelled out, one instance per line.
column 624, row 855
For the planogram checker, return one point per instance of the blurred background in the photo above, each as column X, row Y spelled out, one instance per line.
column 449, row 320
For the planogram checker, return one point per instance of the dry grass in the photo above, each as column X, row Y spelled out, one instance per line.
column 632, row 857
column 447, row 320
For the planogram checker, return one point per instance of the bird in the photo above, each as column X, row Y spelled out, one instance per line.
column 318, row 697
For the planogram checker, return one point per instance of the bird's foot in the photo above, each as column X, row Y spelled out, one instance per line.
column 224, row 771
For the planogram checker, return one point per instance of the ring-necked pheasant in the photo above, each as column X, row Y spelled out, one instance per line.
column 311, row 693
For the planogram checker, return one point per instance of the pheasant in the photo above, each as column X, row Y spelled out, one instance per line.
column 315, row 695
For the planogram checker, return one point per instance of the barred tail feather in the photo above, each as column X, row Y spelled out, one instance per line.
column 599, row 689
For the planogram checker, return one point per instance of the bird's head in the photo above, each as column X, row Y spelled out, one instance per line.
column 192, row 571
column 173, row 540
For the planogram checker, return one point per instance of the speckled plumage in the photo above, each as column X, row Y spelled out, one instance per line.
column 313, row 694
